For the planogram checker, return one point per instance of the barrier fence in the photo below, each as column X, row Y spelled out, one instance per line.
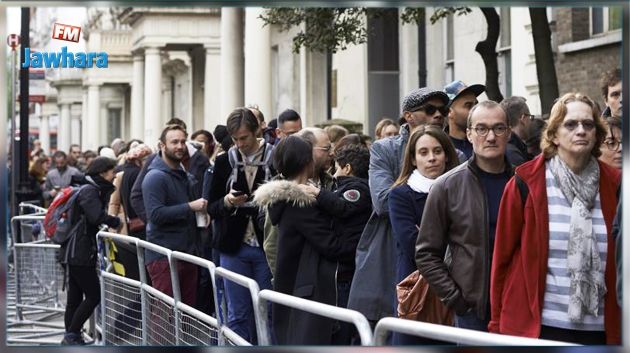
column 134, row 313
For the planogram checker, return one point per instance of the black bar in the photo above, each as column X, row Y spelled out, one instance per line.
column 24, row 93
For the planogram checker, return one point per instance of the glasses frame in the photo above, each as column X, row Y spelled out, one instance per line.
column 591, row 125
column 615, row 142
column 479, row 130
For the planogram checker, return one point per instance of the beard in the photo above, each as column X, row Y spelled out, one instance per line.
column 173, row 155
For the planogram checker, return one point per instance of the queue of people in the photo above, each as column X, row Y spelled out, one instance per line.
column 508, row 217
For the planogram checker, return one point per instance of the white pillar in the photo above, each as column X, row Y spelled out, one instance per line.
column 44, row 133
column 408, row 57
column 212, row 89
column 103, row 126
column 92, row 123
column 313, row 109
column 257, row 60
column 84, row 117
column 231, row 60
column 75, row 127
column 137, row 98
column 65, row 130
column 153, row 95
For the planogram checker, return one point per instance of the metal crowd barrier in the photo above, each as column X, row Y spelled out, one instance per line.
column 158, row 319
column 36, row 296
column 36, row 209
column 453, row 334
column 260, row 311
column 330, row 311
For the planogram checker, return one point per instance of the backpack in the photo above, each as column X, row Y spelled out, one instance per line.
column 60, row 218
column 237, row 164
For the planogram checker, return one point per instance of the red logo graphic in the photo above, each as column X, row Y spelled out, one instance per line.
column 66, row 32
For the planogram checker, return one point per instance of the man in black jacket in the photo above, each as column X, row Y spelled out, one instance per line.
column 239, row 238
column 520, row 120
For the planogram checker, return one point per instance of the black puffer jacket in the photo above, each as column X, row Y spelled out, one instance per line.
column 91, row 207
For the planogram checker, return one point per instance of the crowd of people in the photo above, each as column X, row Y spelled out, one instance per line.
column 511, row 219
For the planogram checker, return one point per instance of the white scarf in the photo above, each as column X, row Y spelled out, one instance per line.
column 419, row 183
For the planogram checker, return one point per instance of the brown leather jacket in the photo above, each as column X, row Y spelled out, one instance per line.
column 456, row 215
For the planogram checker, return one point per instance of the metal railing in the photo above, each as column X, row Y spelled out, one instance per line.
column 260, row 311
column 453, row 334
column 330, row 311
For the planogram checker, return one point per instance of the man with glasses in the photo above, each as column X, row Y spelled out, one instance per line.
column 461, row 210
column 520, row 120
column 462, row 99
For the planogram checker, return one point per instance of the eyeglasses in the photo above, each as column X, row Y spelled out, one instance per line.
column 530, row 116
column 571, row 125
column 612, row 144
column 327, row 148
column 430, row 109
column 481, row 130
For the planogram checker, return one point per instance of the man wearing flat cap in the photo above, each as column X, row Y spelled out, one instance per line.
column 462, row 99
column 375, row 257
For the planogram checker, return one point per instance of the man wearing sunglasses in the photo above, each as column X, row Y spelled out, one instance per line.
column 373, row 288
column 462, row 99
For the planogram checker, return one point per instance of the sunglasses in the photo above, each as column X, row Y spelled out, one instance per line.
column 430, row 109
column 587, row 125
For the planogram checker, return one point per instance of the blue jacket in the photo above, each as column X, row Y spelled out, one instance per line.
column 171, row 222
column 406, row 206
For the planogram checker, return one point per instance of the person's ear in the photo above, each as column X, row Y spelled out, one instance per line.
column 348, row 169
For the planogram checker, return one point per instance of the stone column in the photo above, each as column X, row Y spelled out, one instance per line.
column 104, row 125
column 84, row 117
column 44, row 133
column 313, row 91
column 137, row 98
column 408, row 57
column 64, row 130
column 5, row 75
column 212, row 89
column 257, row 60
column 92, row 123
column 75, row 125
column 231, row 60
column 152, row 94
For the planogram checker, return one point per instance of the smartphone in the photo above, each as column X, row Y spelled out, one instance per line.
column 238, row 193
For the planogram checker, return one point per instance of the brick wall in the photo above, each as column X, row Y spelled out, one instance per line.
column 580, row 71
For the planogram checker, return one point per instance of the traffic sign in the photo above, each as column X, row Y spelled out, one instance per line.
column 13, row 40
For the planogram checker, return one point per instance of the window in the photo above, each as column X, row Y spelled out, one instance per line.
column 605, row 19
column 505, row 53
column 449, row 71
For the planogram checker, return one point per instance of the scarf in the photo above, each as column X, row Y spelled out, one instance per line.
column 587, row 286
column 419, row 183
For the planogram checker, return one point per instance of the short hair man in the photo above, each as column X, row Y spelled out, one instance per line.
column 462, row 99
column 170, row 210
column 74, row 154
column 239, row 237
column 60, row 176
column 461, row 212
column 322, row 155
column 520, row 121
column 373, row 290
column 611, row 90
column 289, row 122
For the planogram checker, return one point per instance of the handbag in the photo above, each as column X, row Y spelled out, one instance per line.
column 417, row 301
column 135, row 225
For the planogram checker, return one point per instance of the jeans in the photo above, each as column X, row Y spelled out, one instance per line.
column 250, row 262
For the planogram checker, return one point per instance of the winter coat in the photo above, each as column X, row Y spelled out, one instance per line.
column 516, row 151
column 197, row 166
column 406, row 207
column 171, row 222
column 519, row 265
column 307, row 256
column 456, row 214
column 92, row 206
column 350, row 207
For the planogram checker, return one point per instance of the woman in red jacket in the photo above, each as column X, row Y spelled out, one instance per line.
column 553, row 270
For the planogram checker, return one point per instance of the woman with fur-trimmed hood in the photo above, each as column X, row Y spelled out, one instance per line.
column 308, row 249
